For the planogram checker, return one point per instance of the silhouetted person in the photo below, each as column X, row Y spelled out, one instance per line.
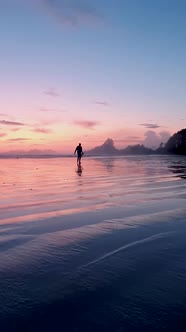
column 79, row 151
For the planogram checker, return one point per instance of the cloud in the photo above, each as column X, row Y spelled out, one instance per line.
column 101, row 103
column 11, row 123
column 42, row 130
column 18, row 139
column 15, row 129
column 153, row 140
column 150, row 125
column 52, row 93
column 86, row 123
column 3, row 134
column 164, row 136
column 3, row 114
column 71, row 12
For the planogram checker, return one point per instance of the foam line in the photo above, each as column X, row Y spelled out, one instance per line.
column 129, row 245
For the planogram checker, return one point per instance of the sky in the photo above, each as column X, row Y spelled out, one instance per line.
column 83, row 71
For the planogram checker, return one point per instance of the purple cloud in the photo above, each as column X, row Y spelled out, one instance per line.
column 164, row 136
column 3, row 114
column 150, row 125
column 153, row 140
column 11, row 123
column 71, row 12
column 86, row 123
column 101, row 103
column 52, row 93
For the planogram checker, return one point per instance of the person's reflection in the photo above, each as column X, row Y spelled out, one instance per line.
column 79, row 170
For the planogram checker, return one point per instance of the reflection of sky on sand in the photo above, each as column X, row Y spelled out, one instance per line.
column 120, row 224
column 40, row 188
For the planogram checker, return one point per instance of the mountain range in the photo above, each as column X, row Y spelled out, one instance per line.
column 108, row 148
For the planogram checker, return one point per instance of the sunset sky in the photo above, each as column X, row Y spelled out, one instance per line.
column 81, row 71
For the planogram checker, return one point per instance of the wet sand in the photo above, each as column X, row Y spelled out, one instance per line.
column 103, row 249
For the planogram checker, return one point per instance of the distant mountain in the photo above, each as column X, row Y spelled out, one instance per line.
column 106, row 148
column 137, row 149
column 177, row 143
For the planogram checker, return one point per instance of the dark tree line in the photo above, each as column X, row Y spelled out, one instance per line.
column 177, row 143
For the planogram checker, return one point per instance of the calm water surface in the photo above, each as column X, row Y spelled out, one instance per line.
column 102, row 249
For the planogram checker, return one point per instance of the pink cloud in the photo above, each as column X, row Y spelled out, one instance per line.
column 18, row 139
column 3, row 134
column 15, row 129
column 42, row 130
column 11, row 123
column 86, row 123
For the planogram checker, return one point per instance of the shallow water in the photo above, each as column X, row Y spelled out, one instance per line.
column 102, row 249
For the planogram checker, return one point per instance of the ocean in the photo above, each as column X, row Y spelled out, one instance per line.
column 101, row 248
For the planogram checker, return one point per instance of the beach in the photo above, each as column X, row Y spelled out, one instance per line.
column 101, row 249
